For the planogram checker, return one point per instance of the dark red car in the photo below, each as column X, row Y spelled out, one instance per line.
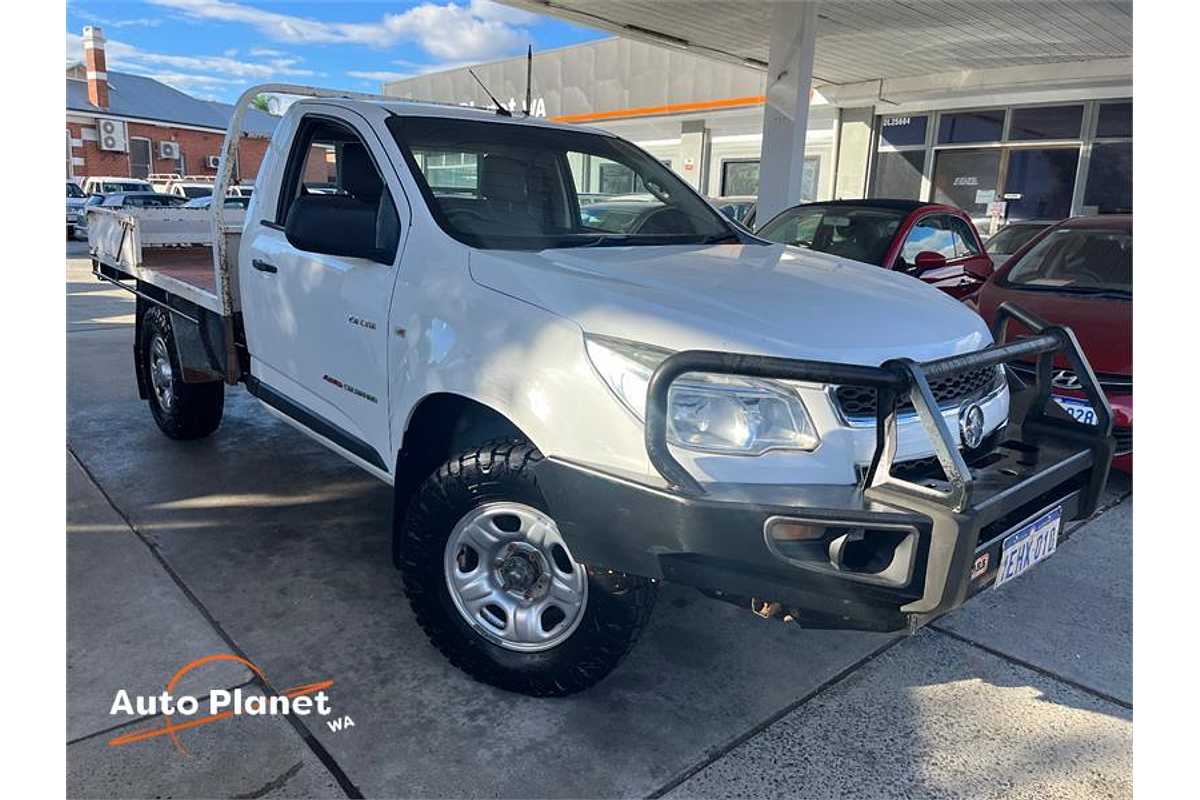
column 1079, row 273
column 936, row 243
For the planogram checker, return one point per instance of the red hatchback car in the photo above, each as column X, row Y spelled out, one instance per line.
column 936, row 243
column 1079, row 273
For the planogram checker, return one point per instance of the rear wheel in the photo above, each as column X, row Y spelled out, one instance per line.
column 495, row 587
column 181, row 410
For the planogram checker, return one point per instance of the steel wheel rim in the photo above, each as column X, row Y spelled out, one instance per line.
column 161, row 375
column 504, row 568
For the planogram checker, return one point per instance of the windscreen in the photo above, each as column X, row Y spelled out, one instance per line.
column 506, row 186
column 196, row 191
column 73, row 190
column 1013, row 238
column 1079, row 260
column 860, row 234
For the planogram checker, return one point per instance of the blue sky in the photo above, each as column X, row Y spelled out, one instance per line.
column 216, row 48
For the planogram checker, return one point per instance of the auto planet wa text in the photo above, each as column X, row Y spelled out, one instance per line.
column 220, row 701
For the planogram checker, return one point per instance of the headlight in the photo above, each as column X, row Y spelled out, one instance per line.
column 717, row 413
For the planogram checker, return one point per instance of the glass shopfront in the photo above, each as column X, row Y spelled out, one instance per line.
column 1010, row 163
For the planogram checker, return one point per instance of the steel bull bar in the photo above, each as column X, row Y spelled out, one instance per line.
column 941, row 537
column 890, row 380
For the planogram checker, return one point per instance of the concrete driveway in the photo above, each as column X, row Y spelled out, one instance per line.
column 258, row 542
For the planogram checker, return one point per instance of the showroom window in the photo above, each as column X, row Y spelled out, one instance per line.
column 900, row 162
column 739, row 178
column 969, row 127
column 1045, row 122
column 1115, row 120
column 1045, row 161
column 1109, row 188
column 617, row 178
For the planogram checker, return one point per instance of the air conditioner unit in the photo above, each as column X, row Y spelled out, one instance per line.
column 212, row 162
column 168, row 149
column 111, row 135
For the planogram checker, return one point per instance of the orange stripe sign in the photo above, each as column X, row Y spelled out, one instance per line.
column 670, row 108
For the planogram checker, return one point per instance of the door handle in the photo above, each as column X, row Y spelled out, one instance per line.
column 263, row 266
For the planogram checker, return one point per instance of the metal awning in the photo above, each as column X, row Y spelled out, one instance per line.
column 859, row 41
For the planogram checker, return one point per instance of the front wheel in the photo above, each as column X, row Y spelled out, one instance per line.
column 181, row 410
column 495, row 587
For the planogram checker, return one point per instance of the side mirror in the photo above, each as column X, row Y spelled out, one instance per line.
column 927, row 260
column 334, row 225
column 980, row 267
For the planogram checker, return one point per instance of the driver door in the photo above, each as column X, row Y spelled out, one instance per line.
column 316, row 318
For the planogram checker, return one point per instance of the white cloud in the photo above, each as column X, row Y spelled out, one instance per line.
column 261, row 52
column 378, row 75
column 477, row 31
column 141, row 22
column 192, row 74
column 486, row 9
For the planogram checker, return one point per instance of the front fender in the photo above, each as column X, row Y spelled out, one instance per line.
column 523, row 362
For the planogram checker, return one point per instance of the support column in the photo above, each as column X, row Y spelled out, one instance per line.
column 853, row 152
column 785, row 118
column 693, row 154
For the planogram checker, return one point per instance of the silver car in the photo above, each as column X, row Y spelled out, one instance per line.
column 76, row 219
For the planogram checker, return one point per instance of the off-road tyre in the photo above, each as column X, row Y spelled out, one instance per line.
column 190, row 410
column 618, row 605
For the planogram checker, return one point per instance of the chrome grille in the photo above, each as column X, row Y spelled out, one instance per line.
column 859, row 401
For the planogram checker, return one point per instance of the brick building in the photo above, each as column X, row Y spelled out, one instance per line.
column 131, row 126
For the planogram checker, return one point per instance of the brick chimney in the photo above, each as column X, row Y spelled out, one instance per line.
column 93, row 59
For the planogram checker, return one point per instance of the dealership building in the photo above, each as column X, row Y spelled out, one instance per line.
column 1003, row 115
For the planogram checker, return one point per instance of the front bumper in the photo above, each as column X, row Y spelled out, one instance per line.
column 887, row 554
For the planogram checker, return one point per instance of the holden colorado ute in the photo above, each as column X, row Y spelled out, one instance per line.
column 569, row 416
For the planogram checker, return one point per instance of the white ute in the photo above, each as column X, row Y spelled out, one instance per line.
column 570, row 415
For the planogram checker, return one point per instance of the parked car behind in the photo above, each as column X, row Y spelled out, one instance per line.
column 936, row 243
column 101, row 184
column 1079, row 273
column 231, row 201
column 188, row 189
column 141, row 200
column 738, row 209
column 1013, row 236
column 76, row 200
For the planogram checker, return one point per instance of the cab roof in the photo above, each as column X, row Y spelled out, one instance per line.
column 423, row 108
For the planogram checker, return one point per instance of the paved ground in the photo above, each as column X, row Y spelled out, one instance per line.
column 1024, row 692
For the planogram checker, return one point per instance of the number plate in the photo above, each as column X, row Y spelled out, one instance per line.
column 1081, row 410
column 1033, row 543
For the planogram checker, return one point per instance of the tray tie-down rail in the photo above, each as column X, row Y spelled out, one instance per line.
column 891, row 380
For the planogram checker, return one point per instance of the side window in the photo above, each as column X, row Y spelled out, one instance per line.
column 965, row 243
column 928, row 234
column 334, row 199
